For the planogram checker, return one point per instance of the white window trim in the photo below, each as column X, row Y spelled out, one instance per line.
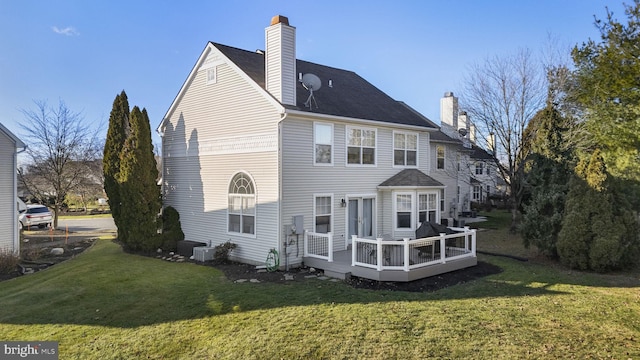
column 444, row 157
column 315, row 196
column 255, row 215
column 473, row 193
column 481, row 168
column 333, row 148
column 437, row 208
column 393, row 140
column 372, row 196
column 395, row 210
column 214, row 70
column 346, row 147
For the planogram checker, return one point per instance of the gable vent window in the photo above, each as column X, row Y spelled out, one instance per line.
column 212, row 75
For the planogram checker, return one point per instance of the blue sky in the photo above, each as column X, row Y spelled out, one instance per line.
column 86, row 52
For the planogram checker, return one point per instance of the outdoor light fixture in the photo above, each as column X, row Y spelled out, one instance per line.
column 343, row 203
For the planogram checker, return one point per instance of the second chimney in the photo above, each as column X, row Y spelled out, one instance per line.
column 280, row 60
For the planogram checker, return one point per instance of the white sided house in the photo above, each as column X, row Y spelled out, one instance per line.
column 475, row 168
column 271, row 152
column 10, row 145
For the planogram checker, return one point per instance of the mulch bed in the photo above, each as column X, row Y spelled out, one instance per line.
column 236, row 271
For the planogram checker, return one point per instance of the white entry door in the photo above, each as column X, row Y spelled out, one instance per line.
column 361, row 217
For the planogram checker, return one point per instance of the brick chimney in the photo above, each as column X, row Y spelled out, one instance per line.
column 280, row 60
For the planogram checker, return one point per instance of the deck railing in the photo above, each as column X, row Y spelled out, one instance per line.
column 408, row 254
column 318, row 245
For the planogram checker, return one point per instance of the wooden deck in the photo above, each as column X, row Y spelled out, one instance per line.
column 341, row 268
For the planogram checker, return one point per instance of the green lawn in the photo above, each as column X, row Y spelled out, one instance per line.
column 106, row 304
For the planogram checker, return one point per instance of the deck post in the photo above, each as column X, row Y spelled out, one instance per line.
column 379, row 254
column 330, row 241
column 466, row 238
column 406, row 254
column 306, row 243
column 354, row 249
column 473, row 242
column 443, row 249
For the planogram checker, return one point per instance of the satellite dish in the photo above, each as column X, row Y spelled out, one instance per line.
column 462, row 132
column 312, row 83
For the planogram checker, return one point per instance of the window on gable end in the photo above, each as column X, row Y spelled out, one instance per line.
column 212, row 75
column 242, row 205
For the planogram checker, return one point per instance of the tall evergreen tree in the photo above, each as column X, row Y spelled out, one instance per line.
column 116, row 135
column 607, row 74
column 140, row 194
column 547, row 176
column 599, row 232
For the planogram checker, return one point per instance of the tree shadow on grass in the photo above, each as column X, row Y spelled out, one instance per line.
column 106, row 287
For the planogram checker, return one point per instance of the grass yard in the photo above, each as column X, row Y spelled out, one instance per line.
column 106, row 304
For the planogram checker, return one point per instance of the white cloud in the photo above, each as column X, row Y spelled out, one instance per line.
column 68, row 31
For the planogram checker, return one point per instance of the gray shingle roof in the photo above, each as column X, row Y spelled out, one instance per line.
column 412, row 178
column 480, row 154
column 351, row 95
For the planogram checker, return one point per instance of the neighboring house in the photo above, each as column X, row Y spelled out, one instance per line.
column 255, row 153
column 476, row 168
column 10, row 145
column 449, row 158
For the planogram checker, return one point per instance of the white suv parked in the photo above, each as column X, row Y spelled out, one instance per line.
column 35, row 215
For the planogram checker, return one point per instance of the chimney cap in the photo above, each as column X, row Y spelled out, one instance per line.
column 279, row 19
column 448, row 94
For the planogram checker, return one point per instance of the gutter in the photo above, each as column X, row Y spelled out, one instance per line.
column 305, row 114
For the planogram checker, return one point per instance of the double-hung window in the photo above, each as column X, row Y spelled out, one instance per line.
column 404, row 210
column 427, row 207
column 323, row 140
column 479, row 168
column 242, row 205
column 414, row 208
column 361, row 146
column 405, row 149
column 477, row 192
column 322, row 213
column 439, row 157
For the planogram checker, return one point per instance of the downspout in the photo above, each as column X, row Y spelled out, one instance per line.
column 283, row 243
column 161, row 133
column 16, row 231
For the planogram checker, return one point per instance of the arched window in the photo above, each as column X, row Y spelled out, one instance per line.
column 242, row 205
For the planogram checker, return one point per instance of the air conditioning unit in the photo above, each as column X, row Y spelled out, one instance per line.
column 203, row 253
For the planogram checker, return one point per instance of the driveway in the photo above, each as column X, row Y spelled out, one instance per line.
column 94, row 225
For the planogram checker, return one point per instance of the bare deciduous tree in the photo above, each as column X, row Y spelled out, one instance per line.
column 61, row 150
column 501, row 95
